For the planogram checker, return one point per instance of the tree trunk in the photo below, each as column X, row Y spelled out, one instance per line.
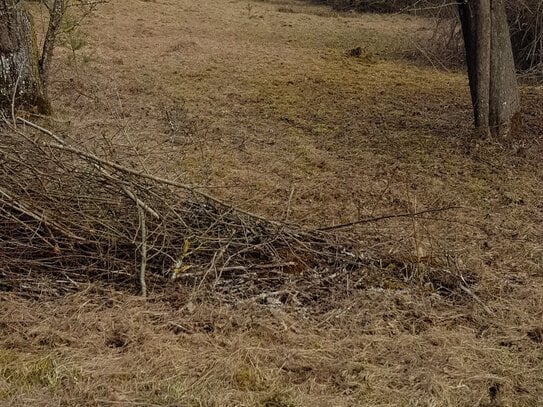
column 491, row 67
column 56, row 14
column 20, row 82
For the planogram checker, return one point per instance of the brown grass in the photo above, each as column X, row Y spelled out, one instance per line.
column 277, row 111
column 378, row 348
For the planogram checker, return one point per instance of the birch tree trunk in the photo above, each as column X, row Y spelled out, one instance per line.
column 20, row 81
column 491, row 67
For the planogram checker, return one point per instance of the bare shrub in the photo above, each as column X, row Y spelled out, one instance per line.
column 444, row 46
column 526, row 23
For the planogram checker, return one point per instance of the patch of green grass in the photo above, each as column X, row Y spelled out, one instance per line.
column 21, row 372
column 278, row 400
column 478, row 187
column 248, row 379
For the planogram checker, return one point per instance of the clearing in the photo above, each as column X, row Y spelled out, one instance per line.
column 262, row 102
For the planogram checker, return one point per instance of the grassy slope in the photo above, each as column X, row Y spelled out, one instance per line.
column 275, row 109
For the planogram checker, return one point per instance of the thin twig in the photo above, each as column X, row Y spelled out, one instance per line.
column 390, row 216
column 15, row 89
column 24, row 209
column 143, row 266
column 42, row 129
column 477, row 299
column 131, row 194
column 289, row 204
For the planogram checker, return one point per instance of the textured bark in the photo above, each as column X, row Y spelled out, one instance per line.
column 491, row 67
column 20, row 81
column 482, row 63
column 55, row 19
column 504, row 96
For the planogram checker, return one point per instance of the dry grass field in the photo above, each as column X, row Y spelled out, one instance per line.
column 262, row 103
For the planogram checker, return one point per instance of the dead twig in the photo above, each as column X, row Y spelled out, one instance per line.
column 390, row 216
column 477, row 299
column 143, row 266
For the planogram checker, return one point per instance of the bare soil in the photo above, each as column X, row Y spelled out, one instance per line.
column 266, row 104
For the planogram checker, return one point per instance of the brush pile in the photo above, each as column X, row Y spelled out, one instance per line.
column 68, row 216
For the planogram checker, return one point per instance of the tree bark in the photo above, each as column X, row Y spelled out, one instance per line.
column 56, row 14
column 491, row 67
column 20, row 81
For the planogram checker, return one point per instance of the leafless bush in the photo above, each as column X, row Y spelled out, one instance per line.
column 526, row 22
column 445, row 47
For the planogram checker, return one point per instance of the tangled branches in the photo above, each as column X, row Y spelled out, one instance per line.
column 526, row 24
column 70, row 215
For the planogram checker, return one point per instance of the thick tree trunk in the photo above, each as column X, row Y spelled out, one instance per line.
column 20, row 81
column 491, row 67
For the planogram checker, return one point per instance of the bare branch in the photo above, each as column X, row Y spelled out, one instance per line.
column 390, row 216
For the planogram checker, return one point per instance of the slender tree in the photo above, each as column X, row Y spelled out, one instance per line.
column 491, row 67
column 56, row 13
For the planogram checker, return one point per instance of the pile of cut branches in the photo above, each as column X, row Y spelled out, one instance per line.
column 71, row 216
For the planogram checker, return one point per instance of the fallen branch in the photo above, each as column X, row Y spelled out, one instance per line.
column 390, row 216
